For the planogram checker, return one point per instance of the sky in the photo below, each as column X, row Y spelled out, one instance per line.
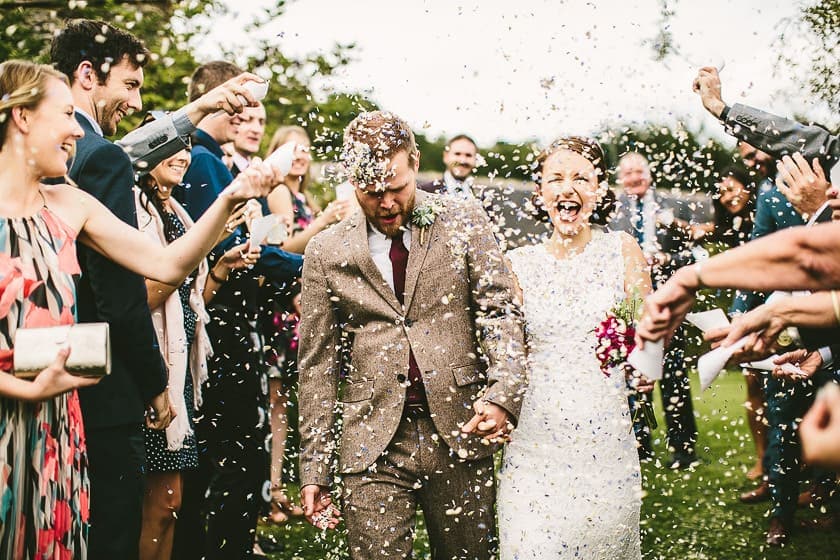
column 517, row 70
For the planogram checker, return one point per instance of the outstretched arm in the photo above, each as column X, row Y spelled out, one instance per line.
column 128, row 247
column 797, row 258
column 770, row 133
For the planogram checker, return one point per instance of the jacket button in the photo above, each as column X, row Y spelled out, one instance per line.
column 408, row 322
column 401, row 377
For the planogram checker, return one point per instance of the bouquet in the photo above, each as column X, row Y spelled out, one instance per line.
column 616, row 336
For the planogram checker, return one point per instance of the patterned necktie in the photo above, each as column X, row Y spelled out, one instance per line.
column 639, row 221
column 415, row 393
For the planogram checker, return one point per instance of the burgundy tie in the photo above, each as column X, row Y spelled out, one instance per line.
column 414, row 394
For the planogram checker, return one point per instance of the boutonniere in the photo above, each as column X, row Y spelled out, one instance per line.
column 424, row 216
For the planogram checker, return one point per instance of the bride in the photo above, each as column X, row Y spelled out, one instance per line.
column 570, row 483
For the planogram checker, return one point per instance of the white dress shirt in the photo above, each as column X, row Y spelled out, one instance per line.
column 458, row 188
column 380, row 249
column 93, row 123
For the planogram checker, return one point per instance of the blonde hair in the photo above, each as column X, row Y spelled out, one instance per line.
column 22, row 84
column 280, row 137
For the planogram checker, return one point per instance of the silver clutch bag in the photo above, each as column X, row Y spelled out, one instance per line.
column 90, row 349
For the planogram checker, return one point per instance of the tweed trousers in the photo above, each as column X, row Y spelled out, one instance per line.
column 417, row 469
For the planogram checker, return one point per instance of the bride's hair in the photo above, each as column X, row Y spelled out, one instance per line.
column 592, row 151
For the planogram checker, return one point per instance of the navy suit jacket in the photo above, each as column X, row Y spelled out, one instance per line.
column 108, row 292
column 773, row 212
column 206, row 178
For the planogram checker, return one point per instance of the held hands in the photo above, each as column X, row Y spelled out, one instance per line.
column 55, row 380
column 160, row 413
column 805, row 187
column 490, row 421
column 638, row 381
column 707, row 84
column 318, row 507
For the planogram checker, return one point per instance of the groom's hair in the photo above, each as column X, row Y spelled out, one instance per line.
column 384, row 133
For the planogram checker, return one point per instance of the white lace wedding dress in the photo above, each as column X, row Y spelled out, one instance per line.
column 570, row 485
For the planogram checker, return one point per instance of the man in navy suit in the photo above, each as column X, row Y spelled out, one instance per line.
column 778, row 207
column 232, row 423
column 460, row 156
column 105, row 68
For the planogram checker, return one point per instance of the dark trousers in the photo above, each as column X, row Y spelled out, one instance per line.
column 117, row 463
column 220, row 504
column 676, row 403
column 222, row 499
column 787, row 403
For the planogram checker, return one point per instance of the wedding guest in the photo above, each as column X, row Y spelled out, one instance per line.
column 180, row 321
column 776, row 135
column 105, row 67
column 733, row 204
column 248, row 138
column 460, row 157
column 39, row 130
column 231, row 426
column 648, row 216
column 293, row 202
column 778, row 207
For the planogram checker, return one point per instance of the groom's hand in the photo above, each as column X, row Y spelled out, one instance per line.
column 490, row 421
column 318, row 507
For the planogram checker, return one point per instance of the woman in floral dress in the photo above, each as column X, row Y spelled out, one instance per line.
column 43, row 462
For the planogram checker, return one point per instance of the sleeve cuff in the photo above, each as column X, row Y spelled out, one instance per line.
column 183, row 125
column 827, row 356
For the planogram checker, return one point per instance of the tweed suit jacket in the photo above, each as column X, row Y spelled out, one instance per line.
column 460, row 318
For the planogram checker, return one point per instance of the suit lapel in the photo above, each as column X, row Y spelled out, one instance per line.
column 417, row 254
column 361, row 254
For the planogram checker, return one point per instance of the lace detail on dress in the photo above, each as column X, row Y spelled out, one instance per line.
column 570, row 481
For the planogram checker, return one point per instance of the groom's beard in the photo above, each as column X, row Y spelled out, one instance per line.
column 391, row 222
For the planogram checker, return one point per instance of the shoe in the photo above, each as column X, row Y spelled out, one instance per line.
column 822, row 523
column 807, row 497
column 759, row 494
column 756, row 472
column 778, row 532
column 682, row 461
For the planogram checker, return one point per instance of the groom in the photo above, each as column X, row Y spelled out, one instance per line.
column 413, row 338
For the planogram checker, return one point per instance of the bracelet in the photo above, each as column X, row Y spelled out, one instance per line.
column 836, row 304
column 216, row 278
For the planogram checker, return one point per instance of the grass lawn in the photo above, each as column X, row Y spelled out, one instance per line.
column 686, row 515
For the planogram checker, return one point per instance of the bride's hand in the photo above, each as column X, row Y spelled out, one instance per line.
column 638, row 381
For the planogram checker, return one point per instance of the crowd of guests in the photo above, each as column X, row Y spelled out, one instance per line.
column 190, row 438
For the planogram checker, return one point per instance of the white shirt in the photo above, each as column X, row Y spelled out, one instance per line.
column 93, row 123
column 458, row 188
column 380, row 249
column 241, row 162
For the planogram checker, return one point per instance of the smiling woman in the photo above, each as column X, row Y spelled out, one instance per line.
column 42, row 446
